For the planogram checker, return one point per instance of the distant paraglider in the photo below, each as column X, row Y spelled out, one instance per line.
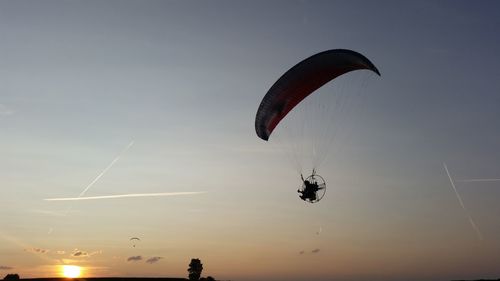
column 310, row 138
column 134, row 241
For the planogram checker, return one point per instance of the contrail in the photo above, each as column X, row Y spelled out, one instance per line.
column 471, row 221
column 126, row 196
column 106, row 169
column 98, row 177
column 319, row 231
column 478, row 180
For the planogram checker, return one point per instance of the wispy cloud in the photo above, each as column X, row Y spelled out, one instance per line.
column 153, row 260
column 471, row 221
column 49, row 213
column 5, row 111
column 80, row 254
column 37, row 250
column 315, row 251
column 3, row 267
column 134, row 258
column 132, row 195
column 83, row 254
column 25, row 246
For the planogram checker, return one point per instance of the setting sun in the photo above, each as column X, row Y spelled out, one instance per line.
column 71, row 271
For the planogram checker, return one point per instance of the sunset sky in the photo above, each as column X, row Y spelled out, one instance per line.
column 104, row 98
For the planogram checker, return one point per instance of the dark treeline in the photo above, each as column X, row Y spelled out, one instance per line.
column 480, row 280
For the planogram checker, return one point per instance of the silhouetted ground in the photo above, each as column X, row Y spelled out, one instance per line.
column 480, row 280
column 151, row 279
column 107, row 279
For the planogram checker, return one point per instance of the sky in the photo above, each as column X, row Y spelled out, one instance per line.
column 105, row 98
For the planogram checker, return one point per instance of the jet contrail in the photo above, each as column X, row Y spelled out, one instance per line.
column 478, row 180
column 106, row 169
column 319, row 231
column 125, row 196
column 471, row 221
column 98, row 177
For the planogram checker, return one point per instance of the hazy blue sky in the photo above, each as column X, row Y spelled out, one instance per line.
column 81, row 80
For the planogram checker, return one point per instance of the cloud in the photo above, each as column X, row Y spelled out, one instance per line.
column 301, row 252
column 3, row 267
column 315, row 251
column 83, row 254
column 37, row 250
column 153, row 260
column 78, row 253
column 61, row 252
column 134, row 258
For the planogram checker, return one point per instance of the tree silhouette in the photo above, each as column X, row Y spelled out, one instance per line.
column 195, row 269
column 14, row 276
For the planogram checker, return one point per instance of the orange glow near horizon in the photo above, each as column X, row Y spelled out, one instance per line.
column 71, row 271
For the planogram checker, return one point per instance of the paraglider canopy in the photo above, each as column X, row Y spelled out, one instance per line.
column 134, row 240
column 314, row 125
column 303, row 79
